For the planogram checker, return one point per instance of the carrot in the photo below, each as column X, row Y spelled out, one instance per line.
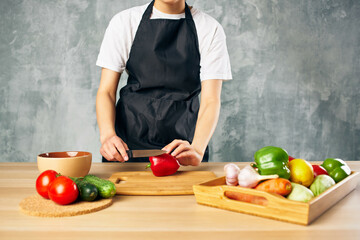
column 279, row 186
column 246, row 198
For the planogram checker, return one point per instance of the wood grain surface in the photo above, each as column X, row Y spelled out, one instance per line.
column 161, row 217
column 145, row 183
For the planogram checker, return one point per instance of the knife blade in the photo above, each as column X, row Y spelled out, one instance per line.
column 144, row 153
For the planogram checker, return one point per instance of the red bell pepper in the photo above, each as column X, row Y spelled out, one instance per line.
column 291, row 158
column 319, row 170
column 163, row 165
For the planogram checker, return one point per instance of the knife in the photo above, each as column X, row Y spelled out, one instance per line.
column 144, row 153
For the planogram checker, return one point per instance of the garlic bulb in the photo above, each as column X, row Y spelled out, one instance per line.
column 249, row 178
column 231, row 173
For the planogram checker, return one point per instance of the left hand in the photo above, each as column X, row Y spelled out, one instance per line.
column 184, row 152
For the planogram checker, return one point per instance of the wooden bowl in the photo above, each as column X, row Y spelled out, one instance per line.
column 72, row 164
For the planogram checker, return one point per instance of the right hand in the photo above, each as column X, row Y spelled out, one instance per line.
column 114, row 149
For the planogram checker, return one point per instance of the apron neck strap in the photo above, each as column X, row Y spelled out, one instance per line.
column 147, row 14
column 188, row 15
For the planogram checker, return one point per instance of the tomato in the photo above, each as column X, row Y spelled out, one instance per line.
column 63, row 190
column 43, row 182
column 319, row 170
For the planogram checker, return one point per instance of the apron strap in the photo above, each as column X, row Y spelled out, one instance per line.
column 147, row 14
column 188, row 15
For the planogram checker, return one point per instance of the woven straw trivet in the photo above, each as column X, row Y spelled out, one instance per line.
column 36, row 205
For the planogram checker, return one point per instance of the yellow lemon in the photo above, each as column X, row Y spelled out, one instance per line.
column 301, row 172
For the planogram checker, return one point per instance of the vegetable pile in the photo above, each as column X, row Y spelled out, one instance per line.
column 276, row 172
column 64, row 190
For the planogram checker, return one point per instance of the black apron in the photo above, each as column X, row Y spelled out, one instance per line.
column 160, row 101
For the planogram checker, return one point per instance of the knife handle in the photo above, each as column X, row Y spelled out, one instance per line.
column 129, row 153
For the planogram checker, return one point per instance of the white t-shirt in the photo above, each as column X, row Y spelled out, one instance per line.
column 120, row 34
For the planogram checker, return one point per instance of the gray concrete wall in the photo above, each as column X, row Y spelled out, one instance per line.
column 295, row 65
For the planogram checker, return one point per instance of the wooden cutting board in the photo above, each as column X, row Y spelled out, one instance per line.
column 145, row 183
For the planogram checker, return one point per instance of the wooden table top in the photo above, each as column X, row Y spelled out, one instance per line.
column 161, row 217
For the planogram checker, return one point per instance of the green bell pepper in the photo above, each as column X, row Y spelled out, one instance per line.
column 337, row 168
column 272, row 160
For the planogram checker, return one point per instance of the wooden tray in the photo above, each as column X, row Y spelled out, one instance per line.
column 212, row 193
column 145, row 183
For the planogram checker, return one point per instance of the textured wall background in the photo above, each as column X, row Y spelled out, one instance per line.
column 295, row 65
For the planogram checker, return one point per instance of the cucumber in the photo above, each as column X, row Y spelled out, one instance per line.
column 88, row 192
column 106, row 188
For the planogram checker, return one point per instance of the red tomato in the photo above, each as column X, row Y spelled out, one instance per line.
column 43, row 182
column 319, row 170
column 291, row 158
column 63, row 190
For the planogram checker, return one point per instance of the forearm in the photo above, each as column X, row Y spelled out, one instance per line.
column 105, row 113
column 105, row 103
column 206, row 124
column 192, row 154
column 208, row 114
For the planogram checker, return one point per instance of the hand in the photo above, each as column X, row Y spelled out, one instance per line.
column 114, row 149
column 184, row 152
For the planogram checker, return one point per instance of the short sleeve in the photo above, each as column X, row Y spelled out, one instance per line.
column 113, row 51
column 215, row 62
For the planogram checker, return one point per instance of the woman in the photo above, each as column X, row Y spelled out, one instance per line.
column 171, row 54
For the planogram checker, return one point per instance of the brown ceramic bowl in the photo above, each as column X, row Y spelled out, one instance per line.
column 72, row 164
